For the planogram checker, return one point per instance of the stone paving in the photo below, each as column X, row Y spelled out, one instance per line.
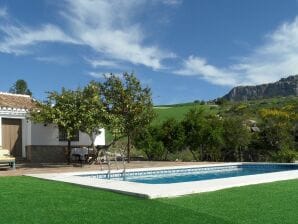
column 23, row 169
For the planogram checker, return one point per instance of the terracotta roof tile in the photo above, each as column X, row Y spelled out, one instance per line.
column 16, row 101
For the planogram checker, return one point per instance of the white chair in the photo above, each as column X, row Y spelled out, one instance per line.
column 6, row 158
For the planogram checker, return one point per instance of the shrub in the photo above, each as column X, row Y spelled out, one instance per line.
column 285, row 156
column 155, row 151
column 184, row 156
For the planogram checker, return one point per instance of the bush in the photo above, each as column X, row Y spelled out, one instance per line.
column 148, row 141
column 285, row 156
column 184, row 156
column 155, row 151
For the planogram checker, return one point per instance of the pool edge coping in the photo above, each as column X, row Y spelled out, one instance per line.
column 152, row 191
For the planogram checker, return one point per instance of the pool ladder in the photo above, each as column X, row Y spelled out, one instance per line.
column 108, row 175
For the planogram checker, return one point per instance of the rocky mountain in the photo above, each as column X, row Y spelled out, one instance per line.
column 284, row 87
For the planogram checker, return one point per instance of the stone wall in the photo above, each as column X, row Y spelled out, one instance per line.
column 46, row 154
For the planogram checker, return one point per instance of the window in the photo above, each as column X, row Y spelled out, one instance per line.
column 63, row 136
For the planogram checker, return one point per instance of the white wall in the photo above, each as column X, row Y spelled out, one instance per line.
column 100, row 139
column 38, row 134
column 49, row 135
column 26, row 135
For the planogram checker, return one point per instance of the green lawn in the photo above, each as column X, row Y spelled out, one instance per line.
column 28, row 200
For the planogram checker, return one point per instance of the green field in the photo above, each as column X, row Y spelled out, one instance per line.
column 27, row 200
column 247, row 109
column 178, row 112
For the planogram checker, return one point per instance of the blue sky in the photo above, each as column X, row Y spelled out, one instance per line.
column 185, row 50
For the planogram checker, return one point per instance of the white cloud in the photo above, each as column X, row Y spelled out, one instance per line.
column 18, row 38
column 275, row 59
column 97, row 75
column 61, row 60
column 101, row 75
column 109, row 28
column 95, row 63
column 199, row 66
column 172, row 2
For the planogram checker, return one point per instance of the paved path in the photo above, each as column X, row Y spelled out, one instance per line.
column 43, row 168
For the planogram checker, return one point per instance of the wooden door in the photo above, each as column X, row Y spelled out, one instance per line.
column 12, row 136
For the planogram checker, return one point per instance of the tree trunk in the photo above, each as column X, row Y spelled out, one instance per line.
column 128, row 148
column 166, row 155
column 241, row 154
column 68, row 150
column 193, row 155
column 95, row 153
column 201, row 152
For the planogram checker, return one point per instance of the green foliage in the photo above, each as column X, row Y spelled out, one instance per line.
column 285, row 156
column 214, row 141
column 236, row 136
column 277, row 128
column 221, row 101
column 149, row 140
column 129, row 103
column 194, row 124
column 204, row 133
column 276, row 118
column 121, row 105
column 20, row 87
column 74, row 110
column 63, row 110
column 172, row 136
column 92, row 112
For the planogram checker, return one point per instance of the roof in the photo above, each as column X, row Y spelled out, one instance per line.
column 19, row 101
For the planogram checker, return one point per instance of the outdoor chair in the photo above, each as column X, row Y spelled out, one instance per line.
column 6, row 158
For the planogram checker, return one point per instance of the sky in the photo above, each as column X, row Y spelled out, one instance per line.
column 184, row 50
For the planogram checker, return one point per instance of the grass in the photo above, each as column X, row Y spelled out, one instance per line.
column 28, row 200
column 178, row 111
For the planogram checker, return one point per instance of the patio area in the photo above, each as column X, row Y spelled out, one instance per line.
column 29, row 168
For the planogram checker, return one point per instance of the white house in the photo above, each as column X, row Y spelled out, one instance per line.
column 34, row 142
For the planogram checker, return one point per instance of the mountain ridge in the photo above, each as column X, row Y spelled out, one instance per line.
column 282, row 88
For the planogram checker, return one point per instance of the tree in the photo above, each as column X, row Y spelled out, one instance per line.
column 214, row 137
column 278, row 131
column 149, row 140
column 172, row 136
column 236, row 137
column 20, row 87
column 204, row 134
column 92, row 112
column 62, row 109
column 194, row 124
column 129, row 103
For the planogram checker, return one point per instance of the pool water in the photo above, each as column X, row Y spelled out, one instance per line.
column 168, row 176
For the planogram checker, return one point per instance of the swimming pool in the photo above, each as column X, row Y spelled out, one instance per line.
column 177, row 181
column 169, row 176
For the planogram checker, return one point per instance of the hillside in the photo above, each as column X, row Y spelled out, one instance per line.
column 284, row 87
column 178, row 111
column 247, row 109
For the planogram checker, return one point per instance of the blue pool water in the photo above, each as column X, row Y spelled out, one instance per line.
column 169, row 176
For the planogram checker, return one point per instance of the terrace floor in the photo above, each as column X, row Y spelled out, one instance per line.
column 28, row 168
